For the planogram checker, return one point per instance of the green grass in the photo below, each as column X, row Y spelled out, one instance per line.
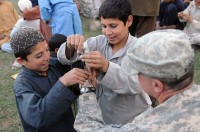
column 9, row 120
column 197, row 65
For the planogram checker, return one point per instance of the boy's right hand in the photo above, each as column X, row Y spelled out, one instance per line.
column 75, row 42
column 75, row 76
column 180, row 15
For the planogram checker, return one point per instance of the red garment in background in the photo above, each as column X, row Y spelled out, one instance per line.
column 34, row 13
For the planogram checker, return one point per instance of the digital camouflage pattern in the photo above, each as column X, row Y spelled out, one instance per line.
column 165, row 53
column 170, row 56
column 88, row 107
column 180, row 113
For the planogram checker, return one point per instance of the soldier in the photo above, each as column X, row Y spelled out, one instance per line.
column 163, row 61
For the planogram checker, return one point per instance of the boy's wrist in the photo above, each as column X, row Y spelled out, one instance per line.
column 190, row 20
column 74, row 88
column 69, row 51
column 105, row 67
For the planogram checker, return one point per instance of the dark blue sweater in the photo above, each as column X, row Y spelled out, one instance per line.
column 43, row 102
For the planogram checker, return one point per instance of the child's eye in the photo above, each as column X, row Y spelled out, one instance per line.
column 103, row 26
column 48, row 49
column 113, row 26
column 38, row 56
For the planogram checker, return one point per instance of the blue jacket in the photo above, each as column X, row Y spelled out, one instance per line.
column 63, row 16
column 43, row 102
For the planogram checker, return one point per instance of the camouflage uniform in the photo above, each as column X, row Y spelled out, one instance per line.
column 180, row 113
column 161, row 54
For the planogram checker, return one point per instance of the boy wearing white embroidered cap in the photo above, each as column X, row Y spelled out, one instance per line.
column 44, row 89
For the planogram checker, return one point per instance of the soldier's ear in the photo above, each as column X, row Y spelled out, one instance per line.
column 157, row 86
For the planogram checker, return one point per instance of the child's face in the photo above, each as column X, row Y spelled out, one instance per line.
column 115, row 30
column 197, row 2
column 38, row 60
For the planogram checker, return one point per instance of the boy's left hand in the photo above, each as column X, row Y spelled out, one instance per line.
column 187, row 17
column 75, row 42
column 96, row 60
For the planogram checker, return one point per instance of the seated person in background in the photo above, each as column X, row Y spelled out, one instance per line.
column 44, row 89
column 55, row 42
column 115, row 90
column 167, row 18
column 163, row 61
column 191, row 15
column 8, row 18
column 34, row 14
column 22, row 4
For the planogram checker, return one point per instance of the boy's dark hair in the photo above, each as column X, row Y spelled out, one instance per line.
column 23, row 54
column 56, row 41
column 120, row 9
